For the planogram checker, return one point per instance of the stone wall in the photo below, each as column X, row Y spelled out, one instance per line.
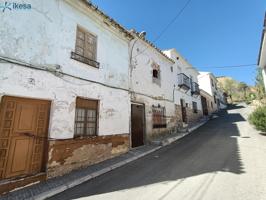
column 192, row 116
column 67, row 155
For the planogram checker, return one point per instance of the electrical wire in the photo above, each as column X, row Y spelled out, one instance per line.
column 172, row 21
column 230, row 66
column 166, row 27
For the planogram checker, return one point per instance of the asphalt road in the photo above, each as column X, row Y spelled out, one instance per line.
column 223, row 160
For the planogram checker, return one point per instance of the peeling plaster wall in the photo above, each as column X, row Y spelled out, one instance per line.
column 155, row 94
column 167, row 93
column 45, row 35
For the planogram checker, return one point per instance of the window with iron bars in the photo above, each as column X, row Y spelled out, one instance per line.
column 158, row 117
column 86, row 117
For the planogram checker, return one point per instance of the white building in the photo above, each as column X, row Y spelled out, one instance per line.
column 156, row 92
column 63, row 86
column 187, row 92
column 208, row 83
column 76, row 88
column 262, row 53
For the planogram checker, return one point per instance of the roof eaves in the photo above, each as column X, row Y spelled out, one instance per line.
column 136, row 34
column 111, row 20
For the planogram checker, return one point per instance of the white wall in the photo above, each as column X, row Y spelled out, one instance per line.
column 264, row 77
column 262, row 61
column 205, row 83
column 167, row 93
column 46, row 35
column 145, row 90
column 182, row 66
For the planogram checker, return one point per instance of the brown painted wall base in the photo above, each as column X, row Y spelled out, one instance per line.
column 67, row 155
column 70, row 154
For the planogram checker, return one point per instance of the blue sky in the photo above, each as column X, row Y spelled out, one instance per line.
column 208, row 33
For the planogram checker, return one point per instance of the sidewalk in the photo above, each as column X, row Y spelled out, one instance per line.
column 56, row 185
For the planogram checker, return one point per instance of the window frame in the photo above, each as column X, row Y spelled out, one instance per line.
column 159, row 114
column 85, row 46
column 81, row 104
column 195, row 107
column 86, row 32
column 156, row 80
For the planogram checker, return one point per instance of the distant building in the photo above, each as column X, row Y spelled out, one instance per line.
column 208, row 83
column 262, row 53
column 207, row 103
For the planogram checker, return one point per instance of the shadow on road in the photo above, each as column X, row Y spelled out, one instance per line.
column 210, row 149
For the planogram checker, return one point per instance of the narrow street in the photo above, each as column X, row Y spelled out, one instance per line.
column 224, row 159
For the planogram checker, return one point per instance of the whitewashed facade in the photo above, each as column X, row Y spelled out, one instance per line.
column 161, row 90
column 262, row 53
column 208, row 83
column 68, row 60
column 37, row 64
column 47, row 41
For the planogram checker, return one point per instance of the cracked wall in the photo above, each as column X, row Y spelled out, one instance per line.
column 46, row 35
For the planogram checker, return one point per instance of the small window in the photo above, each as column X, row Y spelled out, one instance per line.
column 214, row 99
column 156, row 76
column 86, row 117
column 195, row 107
column 158, row 117
column 155, row 73
column 171, row 68
column 211, row 104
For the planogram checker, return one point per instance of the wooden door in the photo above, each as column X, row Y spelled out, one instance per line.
column 137, row 125
column 204, row 105
column 183, row 110
column 23, row 136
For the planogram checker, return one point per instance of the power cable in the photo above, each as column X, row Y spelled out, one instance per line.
column 232, row 66
column 166, row 27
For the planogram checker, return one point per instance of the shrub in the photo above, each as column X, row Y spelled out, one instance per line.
column 258, row 118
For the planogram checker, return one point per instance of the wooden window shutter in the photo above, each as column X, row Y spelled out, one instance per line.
column 86, row 44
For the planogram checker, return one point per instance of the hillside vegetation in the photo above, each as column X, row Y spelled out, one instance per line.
column 237, row 91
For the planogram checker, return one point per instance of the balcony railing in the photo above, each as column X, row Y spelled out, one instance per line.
column 85, row 60
column 183, row 81
column 195, row 89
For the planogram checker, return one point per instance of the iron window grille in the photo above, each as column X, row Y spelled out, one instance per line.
column 158, row 117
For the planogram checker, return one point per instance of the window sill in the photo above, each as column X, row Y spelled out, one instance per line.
column 84, row 60
column 85, row 137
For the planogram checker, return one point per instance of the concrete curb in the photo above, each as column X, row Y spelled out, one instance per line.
column 66, row 186
column 88, row 177
column 173, row 139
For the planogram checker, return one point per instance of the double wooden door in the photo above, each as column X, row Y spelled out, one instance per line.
column 23, row 136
